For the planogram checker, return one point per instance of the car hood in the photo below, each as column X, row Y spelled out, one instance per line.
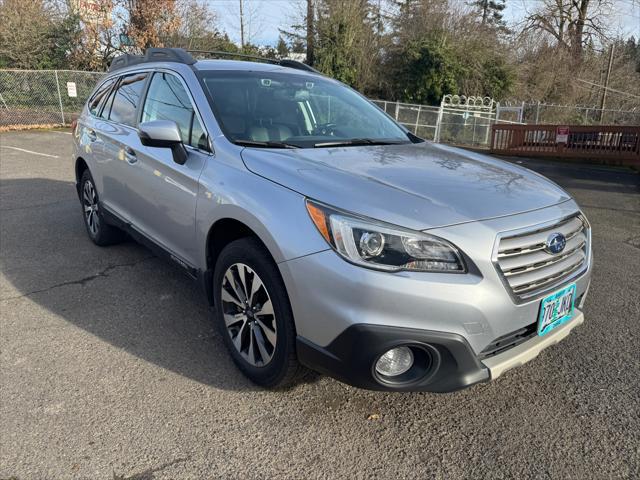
column 418, row 186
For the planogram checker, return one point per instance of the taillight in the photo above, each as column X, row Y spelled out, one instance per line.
column 74, row 124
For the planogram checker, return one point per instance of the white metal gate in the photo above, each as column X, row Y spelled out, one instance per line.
column 465, row 120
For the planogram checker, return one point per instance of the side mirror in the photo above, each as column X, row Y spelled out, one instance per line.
column 164, row 134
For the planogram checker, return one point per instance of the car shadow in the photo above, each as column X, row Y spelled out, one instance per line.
column 121, row 294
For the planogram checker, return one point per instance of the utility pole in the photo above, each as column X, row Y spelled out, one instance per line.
column 606, row 84
column 241, row 26
column 310, row 32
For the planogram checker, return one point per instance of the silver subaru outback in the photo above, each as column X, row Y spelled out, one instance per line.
column 324, row 234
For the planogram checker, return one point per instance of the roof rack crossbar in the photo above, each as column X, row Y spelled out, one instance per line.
column 177, row 55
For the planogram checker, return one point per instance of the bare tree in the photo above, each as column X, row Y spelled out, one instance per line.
column 248, row 22
column 572, row 23
column 151, row 20
column 197, row 20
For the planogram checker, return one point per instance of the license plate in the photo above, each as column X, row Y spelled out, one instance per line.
column 556, row 309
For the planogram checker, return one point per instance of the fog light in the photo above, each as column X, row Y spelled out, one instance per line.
column 395, row 362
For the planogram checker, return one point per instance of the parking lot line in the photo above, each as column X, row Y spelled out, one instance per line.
column 30, row 151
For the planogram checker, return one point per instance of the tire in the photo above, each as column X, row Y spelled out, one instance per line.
column 99, row 231
column 262, row 341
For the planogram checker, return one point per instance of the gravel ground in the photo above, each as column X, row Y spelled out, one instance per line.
column 110, row 367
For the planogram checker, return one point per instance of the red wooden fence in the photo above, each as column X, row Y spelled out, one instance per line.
column 611, row 144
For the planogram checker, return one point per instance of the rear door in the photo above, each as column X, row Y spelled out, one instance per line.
column 90, row 136
column 121, row 142
column 169, row 190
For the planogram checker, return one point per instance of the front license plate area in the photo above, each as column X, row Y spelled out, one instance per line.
column 556, row 309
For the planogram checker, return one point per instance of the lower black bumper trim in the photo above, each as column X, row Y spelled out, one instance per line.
column 351, row 355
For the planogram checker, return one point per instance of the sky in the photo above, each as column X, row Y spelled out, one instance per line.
column 265, row 17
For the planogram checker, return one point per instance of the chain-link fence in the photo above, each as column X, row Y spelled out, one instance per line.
column 43, row 97
column 422, row 120
column 541, row 113
column 460, row 124
column 55, row 97
column 469, row 123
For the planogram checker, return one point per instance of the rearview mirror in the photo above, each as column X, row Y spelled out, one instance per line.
column 164, row 134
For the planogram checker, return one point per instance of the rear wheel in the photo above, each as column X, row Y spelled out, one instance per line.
column 253, row 313
column 100, row 232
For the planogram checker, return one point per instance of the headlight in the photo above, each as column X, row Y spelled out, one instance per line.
column 382, row 246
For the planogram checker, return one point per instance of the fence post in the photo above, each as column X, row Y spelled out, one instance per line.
column 473, row 134
column 492, row 129
column 59, row 96
column 436, row 137
column 397, row 109
column 415, row 130
column 537, row 112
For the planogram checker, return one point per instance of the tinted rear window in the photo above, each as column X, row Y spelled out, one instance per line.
column 98, row 99
column 127, row 99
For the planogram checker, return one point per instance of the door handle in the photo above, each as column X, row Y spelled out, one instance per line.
column 130, row 155
column 92, row 135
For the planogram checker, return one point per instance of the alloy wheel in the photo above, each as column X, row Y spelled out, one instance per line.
column 90, row 206
column 248, row 314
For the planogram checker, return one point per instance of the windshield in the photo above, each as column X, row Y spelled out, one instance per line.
column 269, row 109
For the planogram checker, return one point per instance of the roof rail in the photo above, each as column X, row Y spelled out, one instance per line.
column 177, row 55
column 284, row 62
column 180, row 55
column 298, row 65
column 216, row 53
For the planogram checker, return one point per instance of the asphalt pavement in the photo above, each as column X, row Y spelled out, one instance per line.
column 110, row 368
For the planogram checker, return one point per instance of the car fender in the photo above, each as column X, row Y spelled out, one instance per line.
column 277, row 215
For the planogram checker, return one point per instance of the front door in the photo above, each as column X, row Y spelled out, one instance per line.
column 167, row 214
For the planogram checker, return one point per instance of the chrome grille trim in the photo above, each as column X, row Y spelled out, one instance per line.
column 528, row 270
column 538, row 265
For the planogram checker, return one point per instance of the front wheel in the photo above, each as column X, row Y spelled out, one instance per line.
column 253, row 313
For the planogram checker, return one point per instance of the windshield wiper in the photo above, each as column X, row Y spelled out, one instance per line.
column 267, row 144
column 358, row 141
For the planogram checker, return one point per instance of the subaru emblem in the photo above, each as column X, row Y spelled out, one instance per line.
column 555, row 243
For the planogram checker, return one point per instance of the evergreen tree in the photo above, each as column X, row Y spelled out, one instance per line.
column 282, row 48
column 490, row 11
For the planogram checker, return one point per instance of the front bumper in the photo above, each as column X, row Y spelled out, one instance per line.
column 335, row 305
column 521, row 354
column 453, row 365
column 351, row 358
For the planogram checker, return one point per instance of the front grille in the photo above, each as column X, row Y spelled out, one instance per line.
column 529, row 270
column 508, row 341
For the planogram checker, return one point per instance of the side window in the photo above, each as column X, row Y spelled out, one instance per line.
column 168, row 100
column 98, row 99
column 127, row 98
column 106, row 108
